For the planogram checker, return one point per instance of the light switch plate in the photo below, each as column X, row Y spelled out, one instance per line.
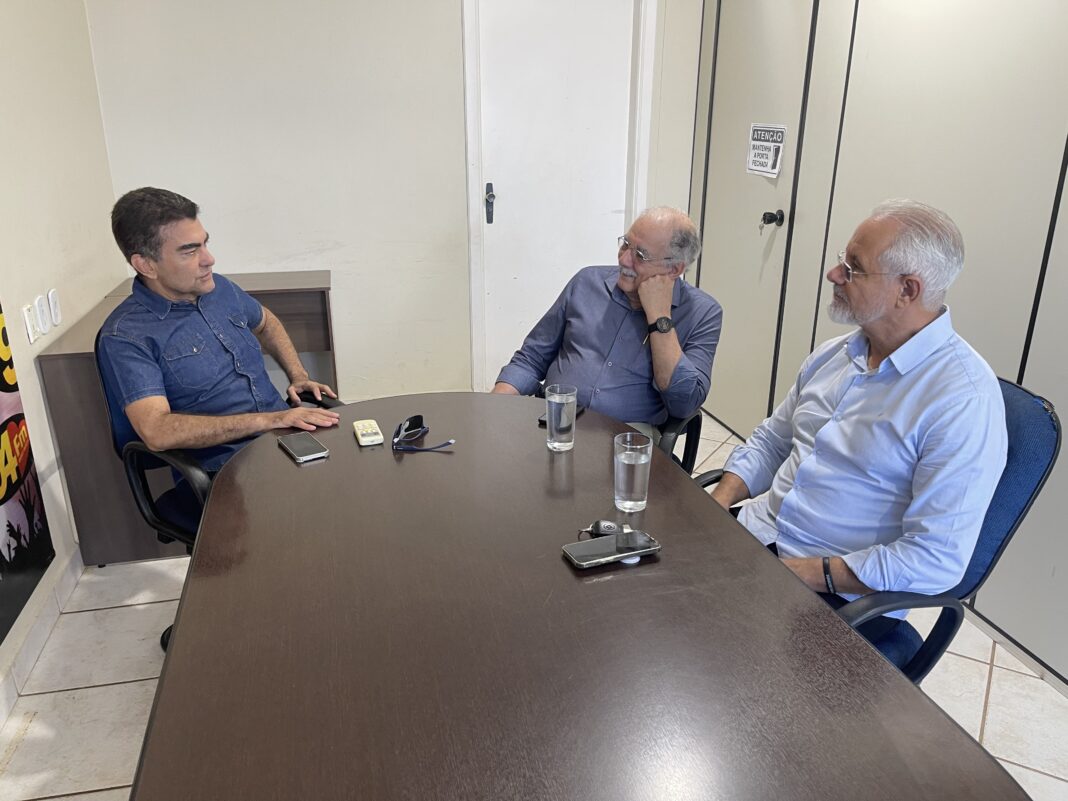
column 44, row 316
column 30, row 317
column 53, row 306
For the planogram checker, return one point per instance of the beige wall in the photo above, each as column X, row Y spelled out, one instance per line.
column 54, row 201
column 316, row 135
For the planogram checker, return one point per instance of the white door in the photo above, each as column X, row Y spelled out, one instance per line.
column 761, row 57
column 548, row 91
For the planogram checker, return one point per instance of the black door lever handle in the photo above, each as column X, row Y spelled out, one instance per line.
column 490, row 197
column 772, row 217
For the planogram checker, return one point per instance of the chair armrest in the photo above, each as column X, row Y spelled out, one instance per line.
column 709, row 478
column 938, row 639
column 871, row 606
column 672, row 428
column 137, row 459
column 325, row 402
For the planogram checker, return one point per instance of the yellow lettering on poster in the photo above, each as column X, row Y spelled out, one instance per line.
column 8, row 368
column 9, row 465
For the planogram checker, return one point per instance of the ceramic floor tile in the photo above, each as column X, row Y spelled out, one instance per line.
column 958, row 685
column 129, row 583
column 716, row 459
column 970, row 641
column 73, row 742
column 105, row 646
column 923, row 620
column 118, row 794
column 35, row 641
column 711, row 430
column 1027, row 723
column 705, row 449
column 1038, row 785
column 1004, row 658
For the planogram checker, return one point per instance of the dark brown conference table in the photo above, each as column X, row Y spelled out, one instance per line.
column 381, row 626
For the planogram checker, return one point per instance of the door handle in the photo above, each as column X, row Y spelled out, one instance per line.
column 772, row 217
column 490, row 197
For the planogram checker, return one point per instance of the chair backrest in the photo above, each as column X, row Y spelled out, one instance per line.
column 1034, row 440
column 122, row 431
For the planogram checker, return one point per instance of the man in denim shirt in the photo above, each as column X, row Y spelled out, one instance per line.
column 636, row 339
column 182, row 355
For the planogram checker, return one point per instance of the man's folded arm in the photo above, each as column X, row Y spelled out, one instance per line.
column 691, row 378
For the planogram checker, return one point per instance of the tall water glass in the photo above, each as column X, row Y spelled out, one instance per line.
column 560, row 401
column 633, row 457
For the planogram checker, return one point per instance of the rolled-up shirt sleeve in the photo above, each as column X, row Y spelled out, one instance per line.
column 691, row 378
column 531, row 362
column 962, row 455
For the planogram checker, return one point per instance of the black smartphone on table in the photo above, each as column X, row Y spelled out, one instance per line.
column 604, row 550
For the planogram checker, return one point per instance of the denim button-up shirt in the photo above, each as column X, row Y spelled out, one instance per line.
column 202, row 356
column 892, row 469
column 591, row 338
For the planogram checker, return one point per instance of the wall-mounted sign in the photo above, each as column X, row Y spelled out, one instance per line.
column 766, row 143
column 25, row 541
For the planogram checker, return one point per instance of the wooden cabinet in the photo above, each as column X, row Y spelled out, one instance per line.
column 110, row 529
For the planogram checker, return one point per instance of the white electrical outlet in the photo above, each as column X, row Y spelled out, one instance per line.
column 30, row 317
column 53, row 306
column 44, row 316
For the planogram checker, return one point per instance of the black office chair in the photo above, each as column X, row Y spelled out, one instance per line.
column 175, row 513
column 1034, row 441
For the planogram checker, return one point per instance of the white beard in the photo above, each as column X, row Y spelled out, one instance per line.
column 840, row 311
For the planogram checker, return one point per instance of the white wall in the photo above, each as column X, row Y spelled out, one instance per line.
column 674, row 102
column 54, row 200
column 320, row 135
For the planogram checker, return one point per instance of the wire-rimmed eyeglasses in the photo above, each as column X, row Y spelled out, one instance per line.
column 850, row 271
column 410, row 430
column 624, row 244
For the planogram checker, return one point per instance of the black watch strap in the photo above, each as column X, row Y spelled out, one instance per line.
column 661, row 324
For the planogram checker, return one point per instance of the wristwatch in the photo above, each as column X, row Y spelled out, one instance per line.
column 662, row 324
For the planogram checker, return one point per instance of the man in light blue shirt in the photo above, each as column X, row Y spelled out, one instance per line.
column 636, row 339
column 885, row 453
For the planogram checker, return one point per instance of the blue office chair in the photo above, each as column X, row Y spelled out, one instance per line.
column 175, row 513
column 1034, row 441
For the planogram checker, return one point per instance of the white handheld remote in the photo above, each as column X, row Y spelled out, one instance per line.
column 368, row 432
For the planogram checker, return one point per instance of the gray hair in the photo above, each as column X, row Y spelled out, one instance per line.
column 685, row 241
column 928, row 244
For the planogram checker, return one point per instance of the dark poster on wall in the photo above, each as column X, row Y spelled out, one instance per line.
column 25, row 541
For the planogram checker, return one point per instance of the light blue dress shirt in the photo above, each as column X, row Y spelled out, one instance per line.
column 591, row 338
column 891, row 469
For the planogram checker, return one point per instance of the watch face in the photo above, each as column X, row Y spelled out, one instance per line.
column 664, row 324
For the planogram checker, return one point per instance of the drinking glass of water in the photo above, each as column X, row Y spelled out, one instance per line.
column 633, row 456
column 560, row 416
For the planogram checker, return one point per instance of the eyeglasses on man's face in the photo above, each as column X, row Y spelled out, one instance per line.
column 849, row 270
column 410, row 430
column 641, row 255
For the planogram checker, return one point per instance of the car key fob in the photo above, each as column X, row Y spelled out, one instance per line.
column 604, row 528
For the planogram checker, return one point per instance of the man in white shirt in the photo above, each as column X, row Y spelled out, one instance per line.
column 876, row 471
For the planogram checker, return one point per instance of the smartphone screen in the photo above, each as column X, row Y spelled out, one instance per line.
column 602, row 550
column 302, row 446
